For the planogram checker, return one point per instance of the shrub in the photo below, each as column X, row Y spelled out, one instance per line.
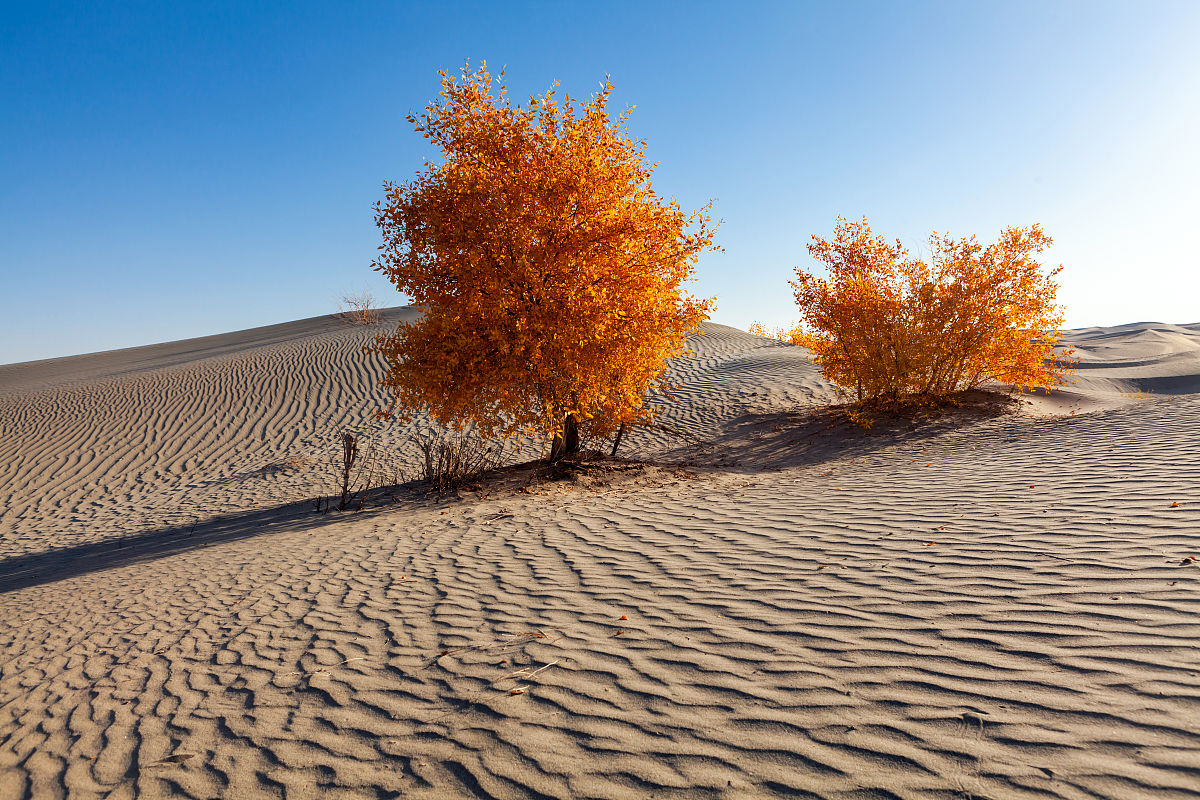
column 359, row 466
column 891, row 328
column 453, row 458
column 792, row 335
column 547, row 270
column 359, row 309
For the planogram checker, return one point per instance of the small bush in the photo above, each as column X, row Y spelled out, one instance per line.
column 359, row 309
column 358, row 467
column 454, row 458
column 890, row 328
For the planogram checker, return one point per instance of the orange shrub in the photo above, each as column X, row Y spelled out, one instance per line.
column 792, row 335
column 888, row 327
column 548, row 271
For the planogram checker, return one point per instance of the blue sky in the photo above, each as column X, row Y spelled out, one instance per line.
column 176, row 170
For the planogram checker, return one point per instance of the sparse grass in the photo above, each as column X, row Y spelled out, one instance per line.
column 359, row 309
column 361, row 471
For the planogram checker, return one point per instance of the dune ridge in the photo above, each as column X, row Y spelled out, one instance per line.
column 1002, row 607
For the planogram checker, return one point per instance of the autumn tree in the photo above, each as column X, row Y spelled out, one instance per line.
column 548, row 271
column 889, row 327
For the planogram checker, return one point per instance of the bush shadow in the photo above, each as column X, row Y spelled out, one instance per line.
column 811, row 436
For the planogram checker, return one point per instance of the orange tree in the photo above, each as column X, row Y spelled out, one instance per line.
column 548, row 272
column 892, row 328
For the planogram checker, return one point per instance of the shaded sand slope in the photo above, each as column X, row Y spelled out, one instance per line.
column 994, row 610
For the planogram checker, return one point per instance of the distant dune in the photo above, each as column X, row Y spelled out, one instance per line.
column 777, row 605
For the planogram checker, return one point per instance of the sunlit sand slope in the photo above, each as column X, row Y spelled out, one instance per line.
column 1002, row 609
column 114, row 442
column 103, row 445
column 1129, row 361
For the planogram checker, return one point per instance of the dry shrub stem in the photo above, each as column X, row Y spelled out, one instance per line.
column 451, row 459
column 360, row 469
column 349, row 455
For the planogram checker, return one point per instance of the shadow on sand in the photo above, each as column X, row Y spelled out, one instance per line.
column 752, row 443
column 812, row 436
column 21, row 572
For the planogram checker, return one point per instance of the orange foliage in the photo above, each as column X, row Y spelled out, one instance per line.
column 793, row 335
column 889, row 327
column 548, row 271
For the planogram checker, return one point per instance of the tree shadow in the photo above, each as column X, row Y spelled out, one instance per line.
column 48, row 566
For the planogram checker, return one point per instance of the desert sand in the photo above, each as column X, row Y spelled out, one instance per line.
column 777, row 605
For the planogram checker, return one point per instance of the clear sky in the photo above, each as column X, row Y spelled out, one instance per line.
column 170, row 170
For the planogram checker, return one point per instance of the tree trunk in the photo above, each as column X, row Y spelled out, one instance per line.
column 617, row 443
column 566, row 441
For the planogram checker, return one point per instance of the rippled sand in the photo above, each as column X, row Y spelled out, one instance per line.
column 986, row 606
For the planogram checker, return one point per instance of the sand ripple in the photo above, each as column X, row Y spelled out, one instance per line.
column 1001, row 610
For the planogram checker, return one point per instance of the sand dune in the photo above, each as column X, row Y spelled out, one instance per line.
column 988, row 607
column 1148, row 357
column 176, row 432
